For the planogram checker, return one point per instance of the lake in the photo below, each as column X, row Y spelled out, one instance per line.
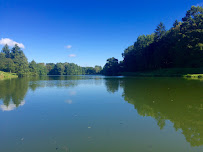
column 101, row 114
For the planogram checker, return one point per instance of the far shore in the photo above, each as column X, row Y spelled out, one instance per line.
column 173, row 72
column 194, row 73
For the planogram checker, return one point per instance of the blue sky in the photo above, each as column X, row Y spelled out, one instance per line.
column 85, row 32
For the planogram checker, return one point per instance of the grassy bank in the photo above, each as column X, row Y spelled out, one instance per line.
column 7, row 75
column 173, row 72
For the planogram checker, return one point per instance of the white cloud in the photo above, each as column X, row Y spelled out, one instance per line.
column 72, row 55
column 68, row 46
column 11, row 106
column 10, row 42
column 8, row 108
column 69, row 101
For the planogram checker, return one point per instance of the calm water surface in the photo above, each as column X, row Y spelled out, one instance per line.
column 101, row 114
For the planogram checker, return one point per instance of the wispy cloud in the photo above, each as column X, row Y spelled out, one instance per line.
column 72, row 55
column 199, row 4
column 10, row 42
column 72, row 93
column 68, row 46
column 69, row 101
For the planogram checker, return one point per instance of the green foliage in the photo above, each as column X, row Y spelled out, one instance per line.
column 71, row 69
column 59, row 69
column 160, row 31
column 179, row 47
column 175, row 23
column 7, row 75
column 90, row 70
column 16, row 61
column 111, row 67
column 6, row 64
column 6, row 50
column 97, row 69
column 20, row 61
column 169, row 72
column 37, row 68
column 134, row 55
column 33, row 67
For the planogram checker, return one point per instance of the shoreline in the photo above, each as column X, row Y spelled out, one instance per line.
column 174, row 72
column 7, row 75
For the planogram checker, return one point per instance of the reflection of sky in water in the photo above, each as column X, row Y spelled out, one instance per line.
column 94, row 114
column 72, row 93
column 11, row 106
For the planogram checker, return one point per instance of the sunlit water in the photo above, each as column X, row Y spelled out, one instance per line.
column 101, row 114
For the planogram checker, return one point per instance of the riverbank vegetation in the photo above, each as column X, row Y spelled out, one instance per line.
column 170, row 72
column 180, row 47
column 7, row 75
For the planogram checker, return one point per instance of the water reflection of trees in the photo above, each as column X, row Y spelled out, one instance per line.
column 112, row 84
column 63, row 81
column 12, row 93
column 53, row 81
column 177, row 100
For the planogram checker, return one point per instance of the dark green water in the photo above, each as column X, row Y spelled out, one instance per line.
column 101, row 114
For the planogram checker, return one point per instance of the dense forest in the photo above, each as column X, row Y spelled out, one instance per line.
column 15, row 61
column 179, row 47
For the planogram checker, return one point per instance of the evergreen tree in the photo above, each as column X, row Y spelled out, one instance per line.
column 160, row 31
column 175, row 23
column 179, row 47
column 20, row 61
column 6, row 50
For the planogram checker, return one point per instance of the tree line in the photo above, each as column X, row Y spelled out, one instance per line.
column 179, row 47
column 15, row 61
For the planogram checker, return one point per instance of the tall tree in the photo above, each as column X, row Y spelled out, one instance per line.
column 20, row 60
column 175, row 23
column 111, row 67
column 160, row 31
column 6, row 50
column 179, row 47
